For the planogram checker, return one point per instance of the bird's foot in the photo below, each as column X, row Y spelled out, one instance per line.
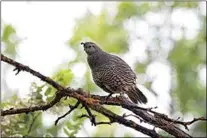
column 17, row 69
column 121, row 96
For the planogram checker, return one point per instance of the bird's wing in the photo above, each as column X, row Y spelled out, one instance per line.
column 104, row 86
column 103, row 76
column 113, row 75
column 123, row 70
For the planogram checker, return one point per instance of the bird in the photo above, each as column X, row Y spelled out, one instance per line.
column 112, row 74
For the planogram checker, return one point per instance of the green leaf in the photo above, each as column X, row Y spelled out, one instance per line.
column 186, row 4
column 48, row 92
column 10, row 44
column 69, row 125
column 66, row 132
column 126, row 10
column 7, row 31
column 5, row 104
column 141, row 67
column 72, row 134
column 128, row 135
column 48, row 135
column 63, row 76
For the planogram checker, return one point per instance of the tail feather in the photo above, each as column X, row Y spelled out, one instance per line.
column 137, row 96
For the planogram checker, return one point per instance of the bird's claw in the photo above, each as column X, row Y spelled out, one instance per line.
column 17, row 69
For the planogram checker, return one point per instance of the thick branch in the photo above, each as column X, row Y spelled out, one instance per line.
column 119, row 119
column 70, row 92
column 94, row 102
column 22, row 67
column 32, row 109
column 158, row 120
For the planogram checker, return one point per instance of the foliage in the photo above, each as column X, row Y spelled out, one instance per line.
column 9, row 39
column 184, row 58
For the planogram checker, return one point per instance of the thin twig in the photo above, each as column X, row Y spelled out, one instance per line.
column 91, row 116
column 71, row 109
column 30, row 127
column 185, row 124
column 94, row 122
column 32, row 109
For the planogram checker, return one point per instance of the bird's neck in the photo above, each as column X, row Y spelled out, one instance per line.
column 97, row 59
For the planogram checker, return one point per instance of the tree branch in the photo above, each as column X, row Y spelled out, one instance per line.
column 95, row 123
column 72, row 93
column 71, row 109
column 20, row 67
column 186, row 124
column 95, row 102
column 32, row 109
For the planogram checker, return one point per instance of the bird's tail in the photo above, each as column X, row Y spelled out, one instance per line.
column 136, row 96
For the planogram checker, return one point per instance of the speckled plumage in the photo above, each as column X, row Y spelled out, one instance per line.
column 112, row 74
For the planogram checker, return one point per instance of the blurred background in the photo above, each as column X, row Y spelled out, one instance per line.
column 164, row 43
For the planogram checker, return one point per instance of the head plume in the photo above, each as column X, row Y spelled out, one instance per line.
column 90, row 47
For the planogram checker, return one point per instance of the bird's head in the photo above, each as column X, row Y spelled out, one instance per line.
column 90, row 48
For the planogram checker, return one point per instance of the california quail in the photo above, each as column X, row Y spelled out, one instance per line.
column 112, row 74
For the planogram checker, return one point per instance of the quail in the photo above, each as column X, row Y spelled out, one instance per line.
column 112, row 74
